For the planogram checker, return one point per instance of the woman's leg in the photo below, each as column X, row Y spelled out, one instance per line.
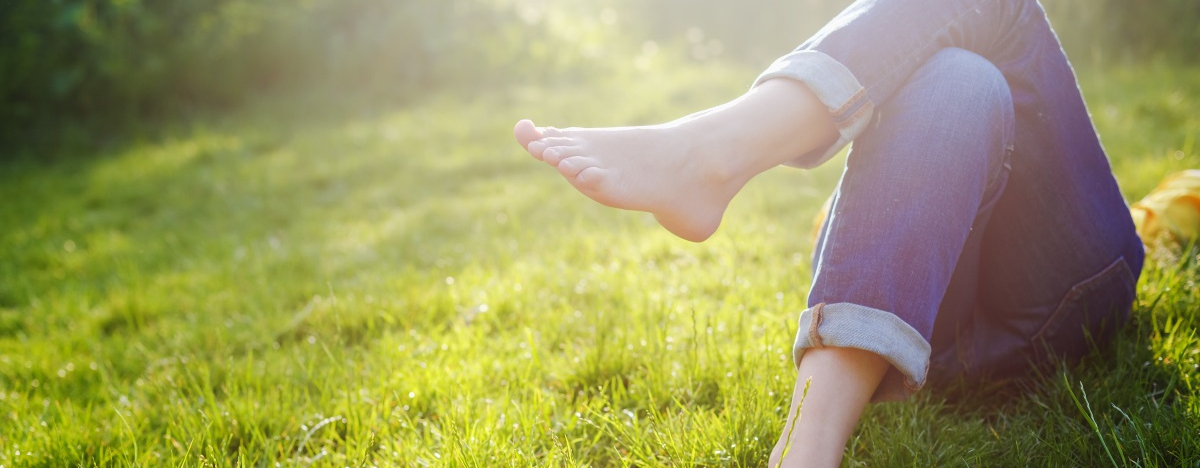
column 1048, row 262
column 917, row 184
column 842, row 382
column 1063, row 231
column 1061, row 257
column 686, row 172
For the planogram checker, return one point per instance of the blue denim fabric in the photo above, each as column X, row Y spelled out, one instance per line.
column 977, row 206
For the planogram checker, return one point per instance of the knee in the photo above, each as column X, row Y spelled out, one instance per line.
column 955, row 104
column 972, row 86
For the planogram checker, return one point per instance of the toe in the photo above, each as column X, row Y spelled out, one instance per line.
column 538, row 148
column 526, row 132
column 550, row 142
column 558, row 153
column 572, row 166
column 589, row 179
column 550, row 132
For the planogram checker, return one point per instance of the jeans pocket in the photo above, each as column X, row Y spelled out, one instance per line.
column 1090, row 313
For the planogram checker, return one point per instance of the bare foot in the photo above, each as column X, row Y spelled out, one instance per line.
column 687, row 171
column 669, row 170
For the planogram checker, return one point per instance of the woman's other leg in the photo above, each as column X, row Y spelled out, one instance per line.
column 1060, row 261
column 917, row 183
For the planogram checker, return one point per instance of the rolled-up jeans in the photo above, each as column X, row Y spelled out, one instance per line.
column 977, row 229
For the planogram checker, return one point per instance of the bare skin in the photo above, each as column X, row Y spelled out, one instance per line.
column 843, row 380
column 686, row 171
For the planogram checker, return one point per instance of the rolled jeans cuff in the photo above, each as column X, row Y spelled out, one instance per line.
column 836, row 87
column 845, row 325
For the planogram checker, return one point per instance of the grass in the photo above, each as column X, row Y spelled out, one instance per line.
column 293, row 286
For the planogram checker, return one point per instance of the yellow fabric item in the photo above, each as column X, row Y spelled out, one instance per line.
column 1170, row 214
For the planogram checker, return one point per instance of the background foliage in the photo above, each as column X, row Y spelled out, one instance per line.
column 117, row 60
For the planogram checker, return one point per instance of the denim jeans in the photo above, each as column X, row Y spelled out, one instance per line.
column 977, row 228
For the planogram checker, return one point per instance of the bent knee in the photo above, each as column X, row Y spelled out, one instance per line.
column 970, row 82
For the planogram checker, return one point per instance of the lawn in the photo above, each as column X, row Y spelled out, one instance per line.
column 293, row 284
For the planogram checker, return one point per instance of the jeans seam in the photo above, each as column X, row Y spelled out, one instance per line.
column 1078, row 290
column 846, row 122
column 853, row 99
column 912, row 386
column 995, row 184
column 814, row 334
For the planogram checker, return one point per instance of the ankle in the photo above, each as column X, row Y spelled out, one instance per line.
column 720, row 147
column 775, row 122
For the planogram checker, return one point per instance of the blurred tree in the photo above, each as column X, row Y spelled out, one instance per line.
column 113, row 60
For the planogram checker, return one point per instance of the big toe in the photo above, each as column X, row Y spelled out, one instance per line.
column 526, row 132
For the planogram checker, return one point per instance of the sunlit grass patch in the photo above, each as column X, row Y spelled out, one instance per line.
column 404, row 287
